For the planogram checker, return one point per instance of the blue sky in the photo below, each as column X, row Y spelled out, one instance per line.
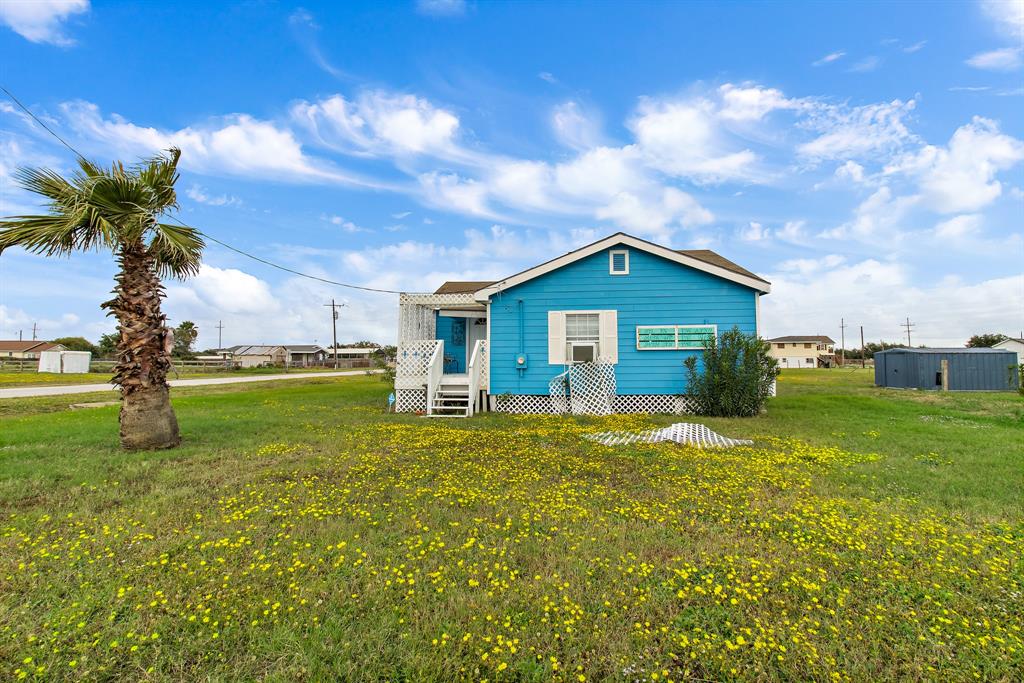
column 867, row 158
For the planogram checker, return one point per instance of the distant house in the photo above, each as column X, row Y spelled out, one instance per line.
column 804, row 351
column 26, row 350
column 351, row 356
column 256, row 356
column 305, row 354
column 1013, row 344
column 622, row 312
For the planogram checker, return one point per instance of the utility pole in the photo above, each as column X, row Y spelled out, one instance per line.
column 842, row 344
column 220, row 334
column 34, row 330
column 20, row 339
column 908, row 325
column 334, row 322
column 863, row 350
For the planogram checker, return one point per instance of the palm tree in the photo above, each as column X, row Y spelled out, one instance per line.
column 119, row 209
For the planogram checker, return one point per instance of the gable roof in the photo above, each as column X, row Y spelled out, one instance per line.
column 25, row 346
column 304, row 348
column 257, row 350
column 458, row 287
column 700, row 259
column 820, row 338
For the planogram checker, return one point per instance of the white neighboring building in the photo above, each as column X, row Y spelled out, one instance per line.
column 1013, row 344
column 807, row 351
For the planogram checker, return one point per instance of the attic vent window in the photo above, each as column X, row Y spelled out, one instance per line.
column 618, row 262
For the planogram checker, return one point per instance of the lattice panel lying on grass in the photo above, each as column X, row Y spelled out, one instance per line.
column 410, row 400
column 535, row 404
column 681, row 432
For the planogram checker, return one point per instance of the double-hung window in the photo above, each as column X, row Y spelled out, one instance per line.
column 582, row 337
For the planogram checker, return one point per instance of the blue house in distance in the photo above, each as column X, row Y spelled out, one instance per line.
column 522, row 344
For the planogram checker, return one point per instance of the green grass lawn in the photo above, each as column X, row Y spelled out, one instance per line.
column 27, row 378
column 300, row 533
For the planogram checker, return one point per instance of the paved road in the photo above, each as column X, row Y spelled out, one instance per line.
column 25, row 392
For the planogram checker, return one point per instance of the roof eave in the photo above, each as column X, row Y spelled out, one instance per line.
column 761, row 286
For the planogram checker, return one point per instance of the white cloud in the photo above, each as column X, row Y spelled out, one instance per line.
column 197, row 193
column 1003, row 59
column 754, row 232
column 401, row 214
column 379, row 122
column 962, row 176
column 655, row 216
column 851, row 170
column 450, row 191
column 41, row 21
column 346, row 225
column 236, row 145
column 681, row 138
column 1008, row 16
column 441, row 8
column 858, row 131
column 810, row 298
column 910, row 49
column 869, row 63
column 877, row 219
column 225, row 290
column 751, row 102
column 547, row 76
column 829, row 58
column 574, row 128
column 958, row 226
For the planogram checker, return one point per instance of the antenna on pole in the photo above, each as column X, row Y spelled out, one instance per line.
column 334, row 323
column 34, row 330
column 842, row 344
column 908, row 325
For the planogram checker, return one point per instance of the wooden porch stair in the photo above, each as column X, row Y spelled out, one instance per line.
column 452, row 397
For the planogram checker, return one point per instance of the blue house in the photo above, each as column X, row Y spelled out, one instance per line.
column 614, row 319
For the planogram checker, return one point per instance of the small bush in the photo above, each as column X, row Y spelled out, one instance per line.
column 737, row 376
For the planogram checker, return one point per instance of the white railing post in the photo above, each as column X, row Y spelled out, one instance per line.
column 477, row 361
column 435, row 371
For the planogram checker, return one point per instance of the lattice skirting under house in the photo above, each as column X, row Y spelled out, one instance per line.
column 633, row 403
column 410, row 400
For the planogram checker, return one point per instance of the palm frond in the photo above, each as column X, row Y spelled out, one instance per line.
column 176, row 250
column 47, row 235
column 160, row 174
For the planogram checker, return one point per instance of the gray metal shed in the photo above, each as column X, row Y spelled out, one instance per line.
column 969, row 369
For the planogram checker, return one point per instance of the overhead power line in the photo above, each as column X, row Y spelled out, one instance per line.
column 204, row 234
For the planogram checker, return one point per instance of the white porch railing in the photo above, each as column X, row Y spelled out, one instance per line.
column 477, row 371
column 435, row 371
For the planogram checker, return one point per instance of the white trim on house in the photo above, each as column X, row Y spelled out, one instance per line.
column 629, row 241
column 607, row 338
column 611, row 261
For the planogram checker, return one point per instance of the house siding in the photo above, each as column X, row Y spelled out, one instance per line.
column 656, row 292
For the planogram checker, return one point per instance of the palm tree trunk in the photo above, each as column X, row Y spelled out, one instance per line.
column 143, row 353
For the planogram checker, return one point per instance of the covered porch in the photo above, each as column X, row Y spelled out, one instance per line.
column 442, row 364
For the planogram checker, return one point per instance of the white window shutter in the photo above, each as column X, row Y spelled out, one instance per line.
column 556, row 338
column 609, row 336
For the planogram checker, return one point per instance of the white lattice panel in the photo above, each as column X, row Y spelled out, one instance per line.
column 413, row 363
column 591, row 388
column 653, row 403
column 532, row 404
column 640, row 403
column 485, row 365
column 681, row 432
column 410, row 400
